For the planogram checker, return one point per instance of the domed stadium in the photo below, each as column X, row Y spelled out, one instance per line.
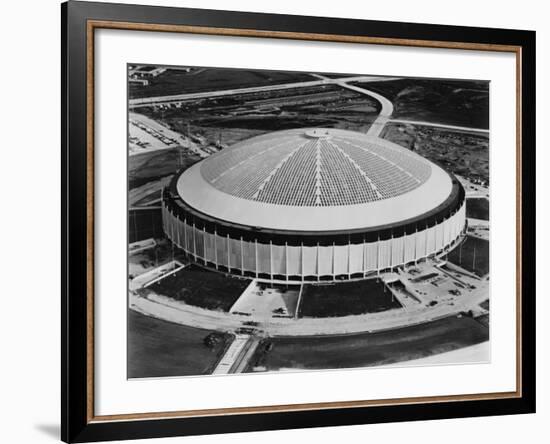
column 313, row 204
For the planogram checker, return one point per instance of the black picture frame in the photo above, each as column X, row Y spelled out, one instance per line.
column 78, row 423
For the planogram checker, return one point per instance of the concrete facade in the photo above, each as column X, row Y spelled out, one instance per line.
column 319, row 262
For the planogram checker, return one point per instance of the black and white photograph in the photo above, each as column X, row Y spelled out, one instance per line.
column 298, row 221
column 267, row 222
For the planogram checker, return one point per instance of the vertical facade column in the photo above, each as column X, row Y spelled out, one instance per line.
column 256, row 255
column 286, row 260
column 452, row 225
column 404, row 245
column 271, row 259
column 333, row 261
column 349, row 258
column 378, row 256
column 302, row 259
column 364, row 259
column 194, row 242
column 216, row 247
column 443, row 235
column 318, row 266
column 185, row 235
column 415, row 241
column 204, row 243
column 228, row 254
column 391, row 252
column 426, row 252
column 242, row 257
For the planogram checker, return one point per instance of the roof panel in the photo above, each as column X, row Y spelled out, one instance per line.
column 315, row 167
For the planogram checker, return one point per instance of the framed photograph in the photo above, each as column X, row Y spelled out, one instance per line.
column 276, row 221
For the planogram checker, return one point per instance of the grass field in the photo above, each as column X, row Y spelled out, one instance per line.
column 472, row 255
column 461, row 152
column 201, row 288
column 145, row 167
column 158, row 348
column 370, row 349
column 452, row 102
column 240, row 116
column 483, row 320
column 478, row 208
column 144, row 224
column 346, row 298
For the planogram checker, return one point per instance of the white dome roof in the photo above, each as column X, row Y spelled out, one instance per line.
column 314, row 180
column 317, row 167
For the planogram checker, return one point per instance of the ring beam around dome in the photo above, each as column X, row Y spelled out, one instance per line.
column 313, row 203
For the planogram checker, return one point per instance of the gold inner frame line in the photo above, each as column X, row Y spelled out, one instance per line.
column 92, row 25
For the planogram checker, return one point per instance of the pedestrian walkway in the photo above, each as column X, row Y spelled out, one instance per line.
column 156, row 274
column 232, row 355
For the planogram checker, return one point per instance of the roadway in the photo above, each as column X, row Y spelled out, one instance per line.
column 162, row 100
column 375, row 129
column 440, row 125
column 163, row 307
column 386, row 106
